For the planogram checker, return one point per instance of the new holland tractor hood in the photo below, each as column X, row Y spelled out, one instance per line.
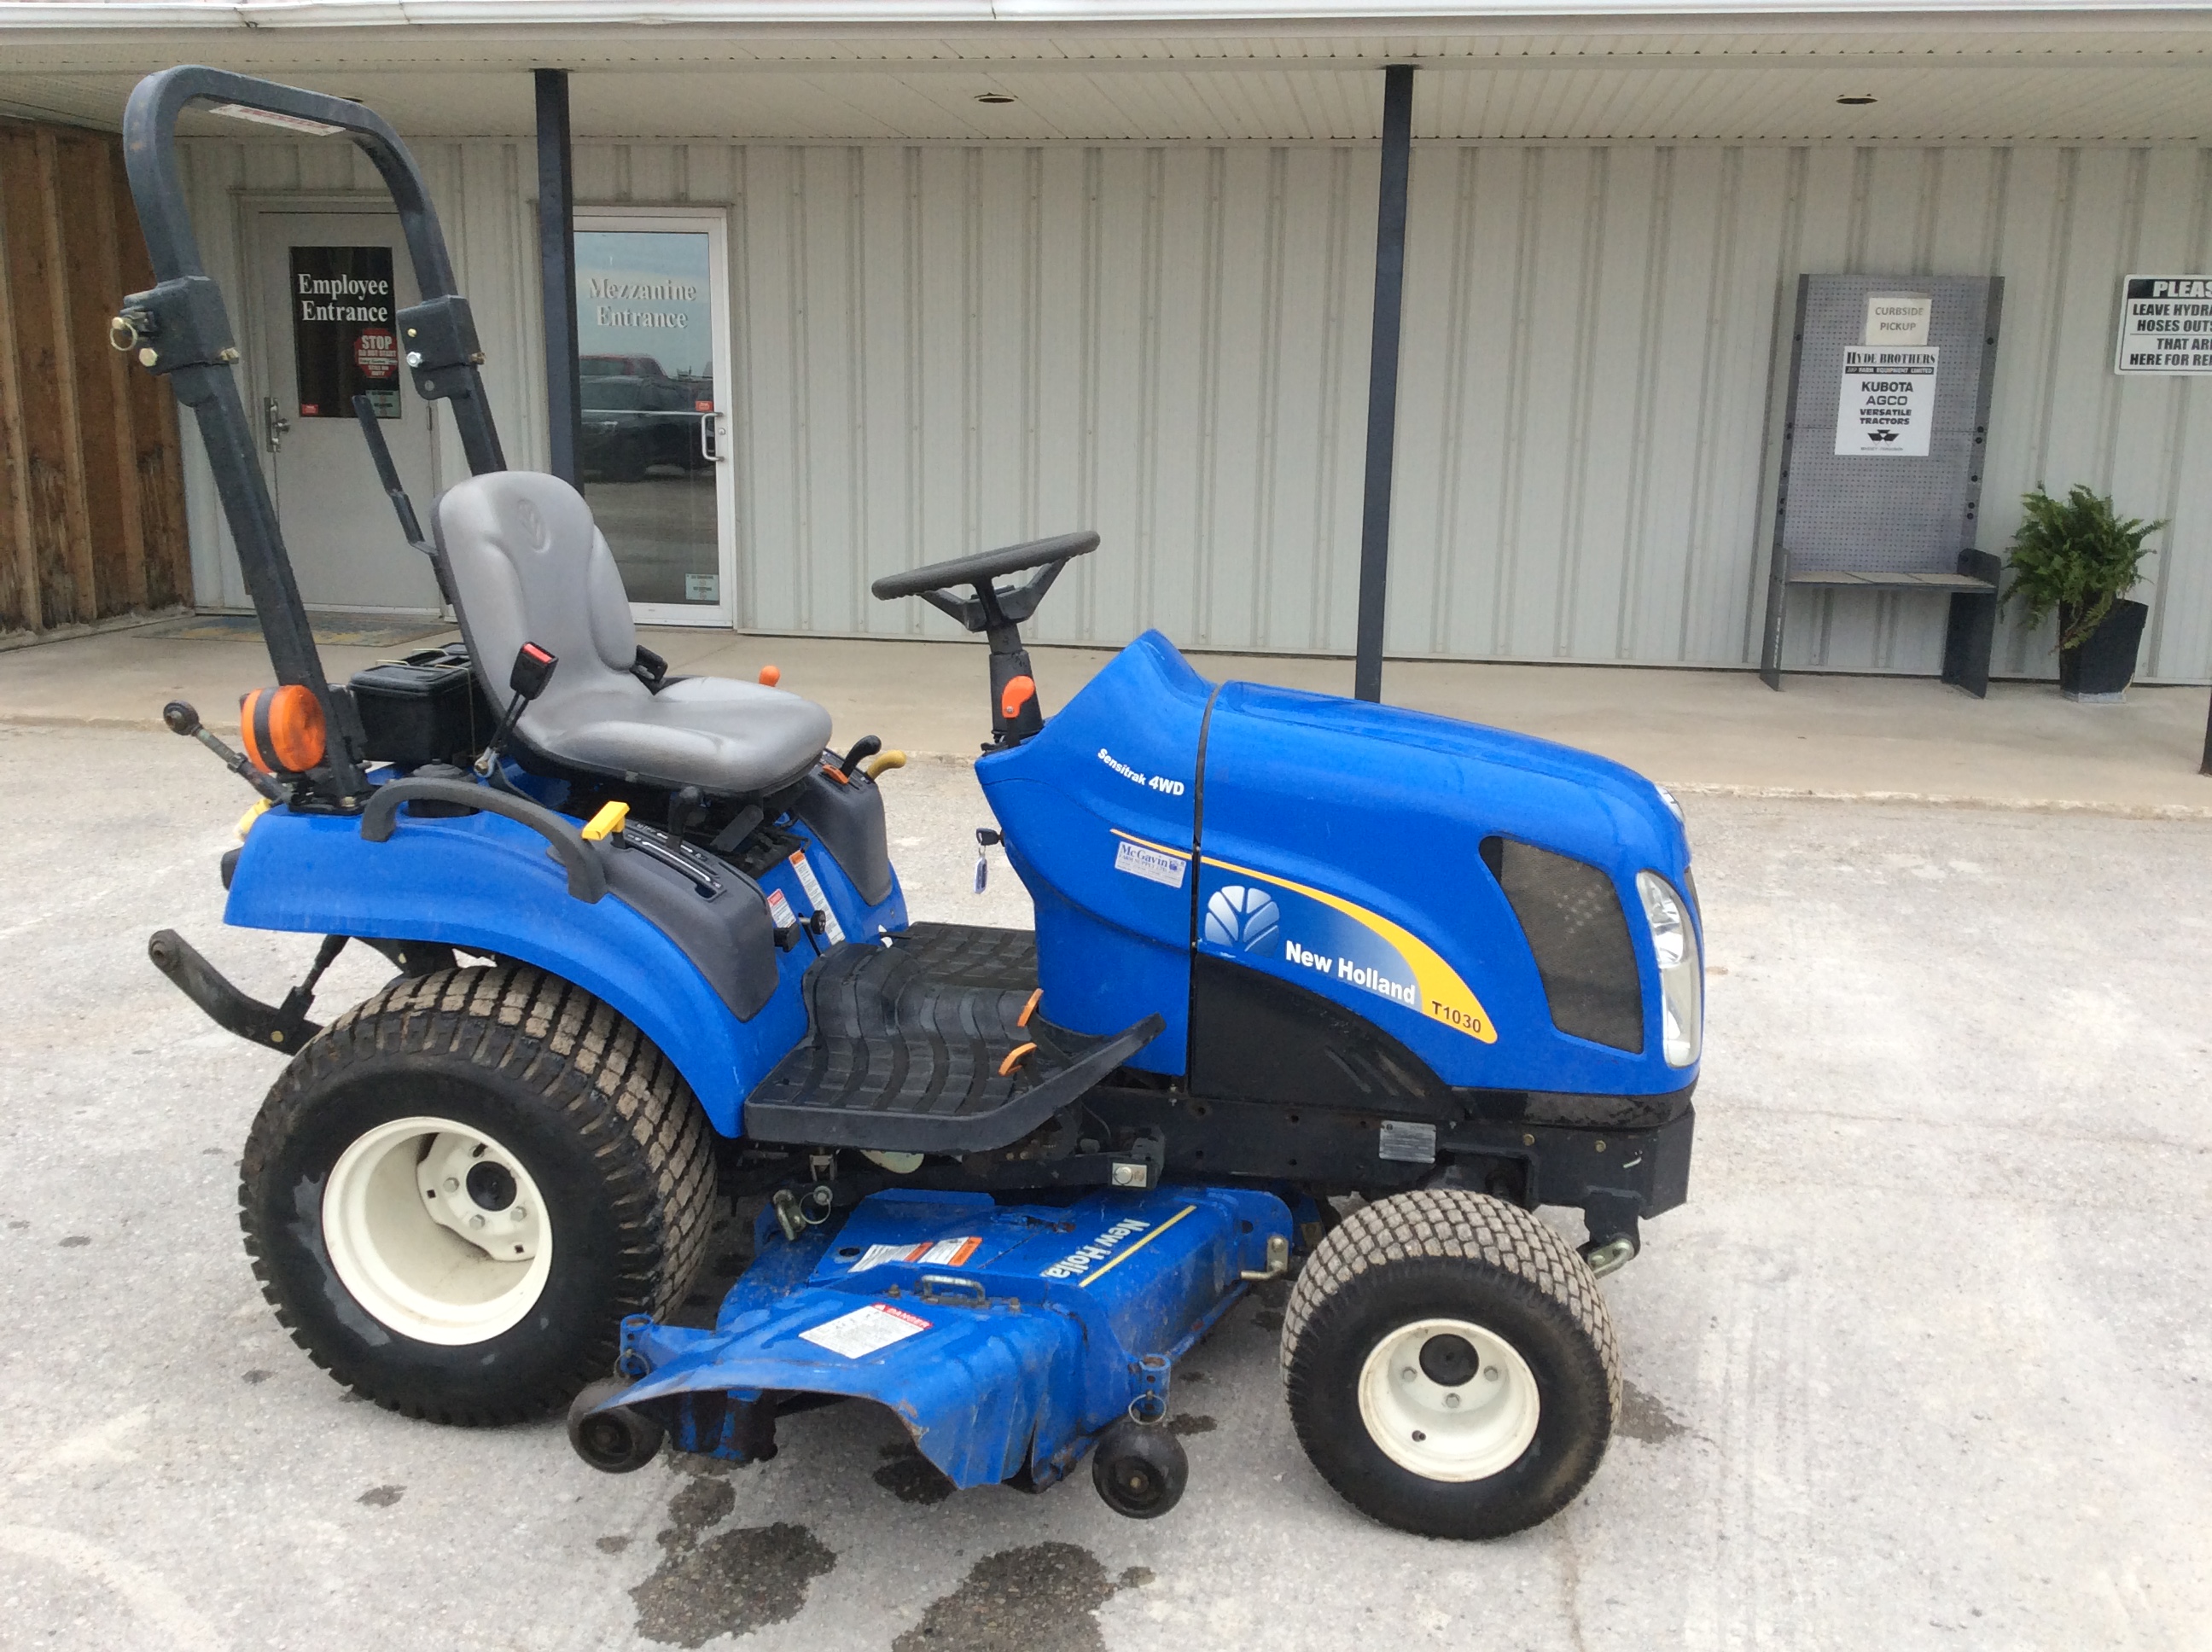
column 1492, row 900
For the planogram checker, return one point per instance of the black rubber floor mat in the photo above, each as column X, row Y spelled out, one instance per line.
column 906, row 1041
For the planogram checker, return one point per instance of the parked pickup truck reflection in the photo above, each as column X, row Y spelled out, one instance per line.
column 637, row 417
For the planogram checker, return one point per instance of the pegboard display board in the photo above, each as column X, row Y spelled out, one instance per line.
column 1885, row 513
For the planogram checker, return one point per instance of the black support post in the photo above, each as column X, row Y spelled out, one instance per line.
column 2205, row 767
column 1382, row 377
column 556, row 260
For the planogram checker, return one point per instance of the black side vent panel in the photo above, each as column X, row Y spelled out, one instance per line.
column 1571, row 915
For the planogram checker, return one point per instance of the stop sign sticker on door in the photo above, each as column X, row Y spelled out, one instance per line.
column 376, row 353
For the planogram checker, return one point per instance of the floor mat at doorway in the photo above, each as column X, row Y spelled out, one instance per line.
column 331, row 629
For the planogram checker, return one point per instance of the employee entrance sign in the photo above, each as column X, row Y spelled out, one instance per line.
column 1887, row 402
column 344, row 343
column 2165, row 324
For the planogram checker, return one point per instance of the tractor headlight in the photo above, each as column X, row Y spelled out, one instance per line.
column 1682, row 978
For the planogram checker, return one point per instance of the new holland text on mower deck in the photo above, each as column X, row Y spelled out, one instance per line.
column 1312, row 980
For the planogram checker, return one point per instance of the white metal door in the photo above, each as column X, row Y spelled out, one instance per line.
column 325, row 331
column 653, row 330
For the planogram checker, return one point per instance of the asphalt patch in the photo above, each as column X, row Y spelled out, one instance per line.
column 1190, row 1422
column 1043, row 1598
column 910, row 1477
column 614, row 1545
column 254, row 1379
column 382, row 1497
column 77, row 1241
column 730, row 1583
column 1643, row 1417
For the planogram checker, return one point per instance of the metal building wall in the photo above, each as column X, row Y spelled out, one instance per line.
column 946, row 347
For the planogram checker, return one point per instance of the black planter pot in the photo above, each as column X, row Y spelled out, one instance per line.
column 2104, row 663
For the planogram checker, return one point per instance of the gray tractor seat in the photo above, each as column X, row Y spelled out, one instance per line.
column 525, row 564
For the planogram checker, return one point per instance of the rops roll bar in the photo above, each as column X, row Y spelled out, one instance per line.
column 181, row 330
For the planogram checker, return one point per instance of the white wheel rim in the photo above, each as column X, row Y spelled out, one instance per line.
column 438, row 1230
column 1450, row 1430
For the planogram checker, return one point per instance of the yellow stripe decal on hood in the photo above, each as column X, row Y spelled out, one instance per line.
column 1444, row 996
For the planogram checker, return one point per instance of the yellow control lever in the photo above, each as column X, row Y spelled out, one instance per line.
column 609, row 820
column 883, row 763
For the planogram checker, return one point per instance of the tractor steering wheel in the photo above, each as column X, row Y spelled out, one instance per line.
column 990, row 608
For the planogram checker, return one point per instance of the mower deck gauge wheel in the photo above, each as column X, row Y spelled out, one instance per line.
column 438, row 1230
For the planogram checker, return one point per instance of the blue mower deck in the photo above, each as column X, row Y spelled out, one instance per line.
column 1004, row 1337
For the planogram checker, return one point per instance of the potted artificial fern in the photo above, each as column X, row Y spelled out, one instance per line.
column 2078, row 557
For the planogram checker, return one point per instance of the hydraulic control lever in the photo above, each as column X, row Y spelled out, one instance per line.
column 534, row 669
column 863, row 748
column 181, row 719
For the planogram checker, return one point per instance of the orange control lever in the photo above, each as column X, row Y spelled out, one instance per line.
column 770, row 677
column 1017, row 694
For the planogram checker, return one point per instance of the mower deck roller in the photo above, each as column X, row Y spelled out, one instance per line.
column 1318, row 989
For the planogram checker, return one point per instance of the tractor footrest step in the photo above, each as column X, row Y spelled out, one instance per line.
column 907, row 1042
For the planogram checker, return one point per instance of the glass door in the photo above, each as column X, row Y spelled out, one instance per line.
column 653, row 335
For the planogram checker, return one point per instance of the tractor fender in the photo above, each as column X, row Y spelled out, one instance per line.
column 486, row 884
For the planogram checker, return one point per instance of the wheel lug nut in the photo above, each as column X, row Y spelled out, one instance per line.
column 1407, row 1373
column 1451, row 1402
column 1490, row 1375
column 453, row 1184
column 475, row 1221
column 519, row 1213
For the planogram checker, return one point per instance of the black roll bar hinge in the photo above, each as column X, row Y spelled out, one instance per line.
column 178, row 324
column 437, row 336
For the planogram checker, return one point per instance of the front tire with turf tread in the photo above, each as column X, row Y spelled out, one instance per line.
column 1451, row 1253
column 608, row 1129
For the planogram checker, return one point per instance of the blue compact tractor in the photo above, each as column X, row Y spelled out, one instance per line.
column 1320, row 992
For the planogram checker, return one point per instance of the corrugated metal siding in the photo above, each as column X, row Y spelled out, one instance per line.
column 944, row 348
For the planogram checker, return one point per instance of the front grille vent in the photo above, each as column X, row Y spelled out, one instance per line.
column 1570, row 912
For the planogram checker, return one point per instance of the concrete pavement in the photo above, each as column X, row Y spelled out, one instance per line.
column 1923, row 1364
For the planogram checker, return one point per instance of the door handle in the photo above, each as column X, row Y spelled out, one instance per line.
column 709, row 445
column 273, row 424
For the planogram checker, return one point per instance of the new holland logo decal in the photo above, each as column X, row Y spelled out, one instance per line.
column 1297, row 929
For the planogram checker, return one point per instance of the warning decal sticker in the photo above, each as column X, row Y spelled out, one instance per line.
column 945, row 1253
column 866, row 1330
column 812, row 885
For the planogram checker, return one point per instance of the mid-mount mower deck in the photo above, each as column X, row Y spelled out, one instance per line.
column 1317, row 988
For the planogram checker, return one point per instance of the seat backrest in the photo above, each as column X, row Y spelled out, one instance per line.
column 524, row 563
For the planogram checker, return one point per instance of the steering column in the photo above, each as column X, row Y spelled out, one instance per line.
column 997, row 612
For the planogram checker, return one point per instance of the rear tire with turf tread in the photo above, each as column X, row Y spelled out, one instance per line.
column 607, row 1130
column 1470, row 1259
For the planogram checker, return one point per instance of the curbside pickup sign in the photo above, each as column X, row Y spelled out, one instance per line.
column 1887, row 402
column 2165, row 324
